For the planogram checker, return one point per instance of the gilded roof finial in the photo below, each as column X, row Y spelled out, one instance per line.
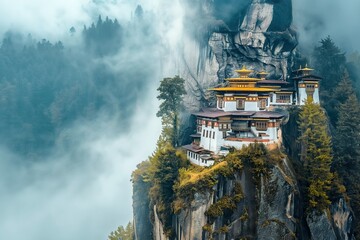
column 263, row 74
column 307, row 68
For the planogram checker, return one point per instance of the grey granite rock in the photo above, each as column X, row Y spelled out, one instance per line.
column 230, row 34
column 320, row 226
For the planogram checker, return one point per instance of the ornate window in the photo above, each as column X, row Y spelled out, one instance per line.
column 262, row 103
column 261, row 126
column 221, row 102
column 310, row 89
column 240, row 104
column 282, row 98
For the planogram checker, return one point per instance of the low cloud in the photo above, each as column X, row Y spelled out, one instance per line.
column 315, row 20
column 53, row 19
column 79, row 192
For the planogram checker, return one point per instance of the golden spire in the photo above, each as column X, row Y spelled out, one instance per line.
column 263, row 74
column 307, row 68
column 304, row 71
column 244, row 70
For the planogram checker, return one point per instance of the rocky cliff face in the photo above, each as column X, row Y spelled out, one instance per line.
column 271, row 207
column 269, row 210
column 225, row 35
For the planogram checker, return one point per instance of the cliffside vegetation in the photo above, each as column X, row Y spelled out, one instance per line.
column 171, row 91
column 340, row 88
column 316, row 154
column 161, row 171
column 122, row 233
column 339, row 92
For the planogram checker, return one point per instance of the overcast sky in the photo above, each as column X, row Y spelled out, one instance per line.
column 316, row 19
column 65, row 199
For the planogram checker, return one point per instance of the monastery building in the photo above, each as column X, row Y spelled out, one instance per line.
column 247, row 112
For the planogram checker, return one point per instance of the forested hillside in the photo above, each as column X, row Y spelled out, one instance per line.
column 45, row 87
column 340, row 90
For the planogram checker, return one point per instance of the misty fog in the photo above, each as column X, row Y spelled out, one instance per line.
column 82, row 189
column 315, row 20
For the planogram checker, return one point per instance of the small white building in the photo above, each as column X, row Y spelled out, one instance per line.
column 199, row 156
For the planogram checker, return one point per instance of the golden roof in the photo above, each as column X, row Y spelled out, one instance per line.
column 306, row 68
column 263, row 74
column 242, row 79
column 243, row 89
column 244, row 70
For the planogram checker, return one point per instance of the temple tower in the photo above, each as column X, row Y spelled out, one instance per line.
column 306, row 85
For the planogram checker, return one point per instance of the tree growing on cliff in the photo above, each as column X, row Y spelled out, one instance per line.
column 165, row 165
column 347, row 137
column 122, row 233
column 171, row 93
column 330, row 63
column 347, row 151
column 316, row 154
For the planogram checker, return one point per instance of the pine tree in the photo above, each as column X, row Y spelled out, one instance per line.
column 139, row 12
column 123, row 233
column 316, row 154
column 329, row 63
column 347, row 137
column 344, row 89
column 165, row 165
column 347, row 151
column 171, row 92
column 341, row 93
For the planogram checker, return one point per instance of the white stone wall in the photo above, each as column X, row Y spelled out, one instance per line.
column 271, row 132
column 303, row 96
column 230, row 106
column 239, row 145
column 316, row 97
column 214, row 144
column 251, row 106
column 235, row 144
column 210, row 143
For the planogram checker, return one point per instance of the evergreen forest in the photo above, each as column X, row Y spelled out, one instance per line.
column 46, row 86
